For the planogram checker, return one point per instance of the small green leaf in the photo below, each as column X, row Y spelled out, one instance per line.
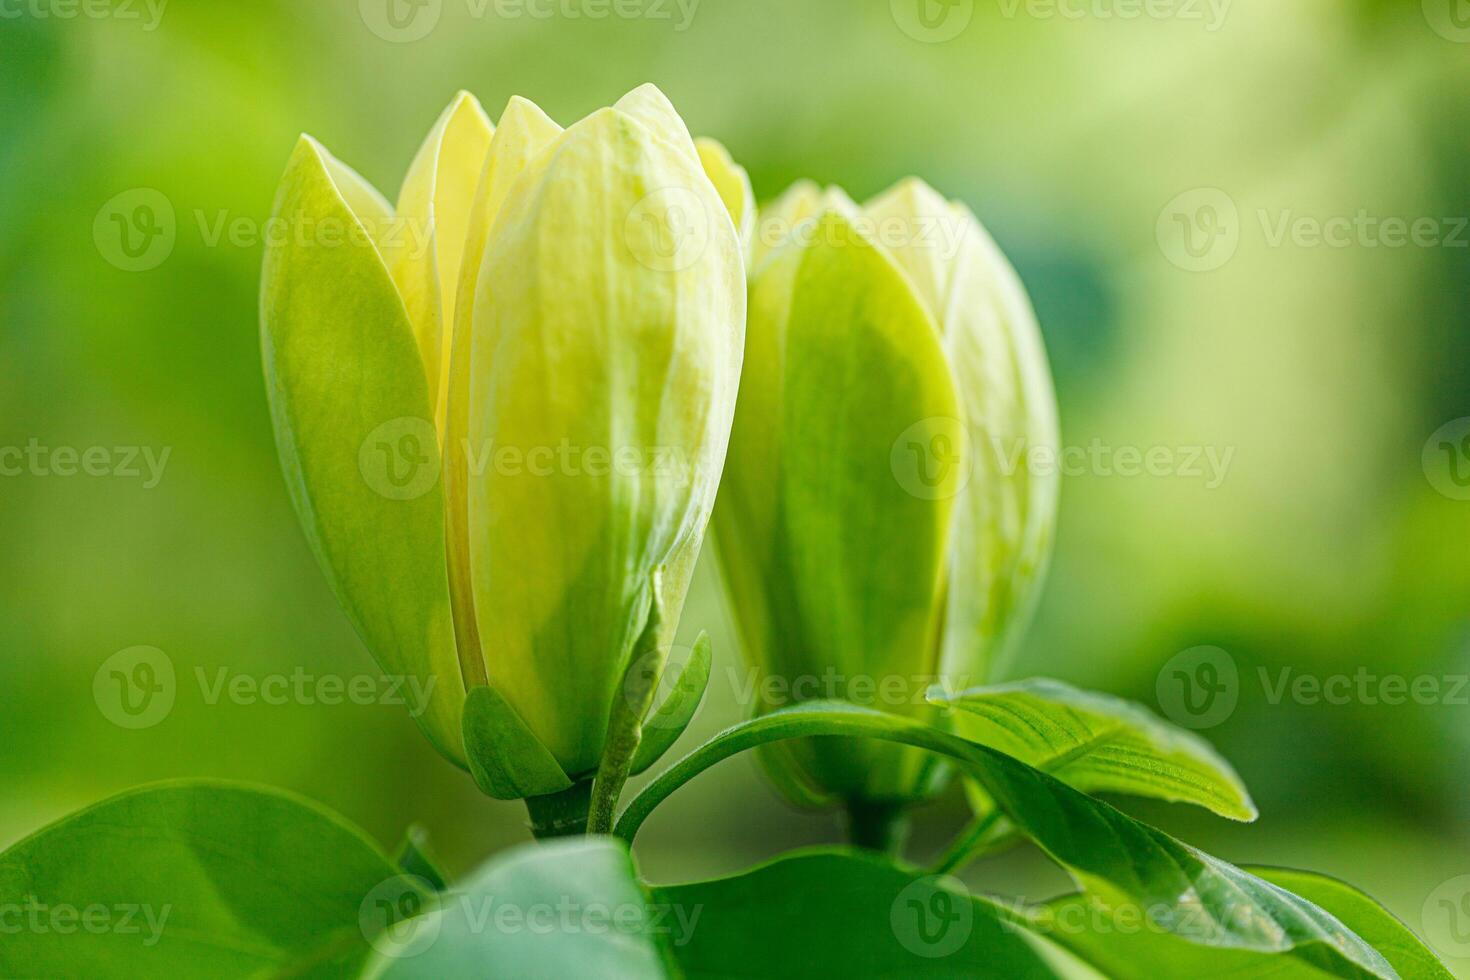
column 1126, row 946
column 1121, row 861
column 1098, row 744
column 668, row 721
column 416, row 857
column 506, row 758
column 569, row 908
column 840, row 913
column 196, row 879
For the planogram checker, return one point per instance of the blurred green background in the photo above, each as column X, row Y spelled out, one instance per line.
column 1324, row 368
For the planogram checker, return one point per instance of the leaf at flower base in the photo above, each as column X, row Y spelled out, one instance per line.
column 1123, row 944
column 238, row 882
column 1122, row 862
column 570, row 908
column 353, row 423
column 1098, row 744
column 506, row 758
column 843, row 913
column 416, row 857
column 662, row 728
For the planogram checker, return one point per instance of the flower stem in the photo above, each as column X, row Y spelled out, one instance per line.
column 966, row 846
column 561, row 814
column 881, row 827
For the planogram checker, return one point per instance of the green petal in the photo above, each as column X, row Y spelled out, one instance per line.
column 1007, row 514
column 433, row 221
column 524, row 133
column 836, row 567
column 351, row 411
column 590, row 337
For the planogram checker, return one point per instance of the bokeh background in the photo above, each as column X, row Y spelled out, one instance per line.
column 1089, row 142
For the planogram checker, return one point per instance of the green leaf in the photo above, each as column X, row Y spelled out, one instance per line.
column 416, row 857
column 196, row 879
column 570, row 908
column 663, row 728
column 1098, row 744
column 841, row 913
column 506, row 758
column 1126, row 946
column 1122, row 861
column 353, row 423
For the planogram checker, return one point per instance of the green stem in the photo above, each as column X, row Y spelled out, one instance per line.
column 877, row 826
column 966, row 845
column 561, row 814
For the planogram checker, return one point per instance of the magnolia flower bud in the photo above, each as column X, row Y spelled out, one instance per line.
column 874, row 538
column 502, row 409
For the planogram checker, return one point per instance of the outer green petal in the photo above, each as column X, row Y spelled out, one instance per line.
column 347, row 396
column 773, row 228
column 589, row 336
column 433, row 221
column 524, row 133
column 733, row 183
column 835, row 566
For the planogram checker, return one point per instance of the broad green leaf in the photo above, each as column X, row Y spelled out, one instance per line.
column 841, row 913
column 1121, row 861
column 506, row 758
column 1098, row 744
column 668, row 721
column 562, row 909
column 353, row 424
column 195, row 879
column 835, row 561
column 1125, row 945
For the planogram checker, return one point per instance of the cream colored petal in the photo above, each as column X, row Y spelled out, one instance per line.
column 733, row 185
column 429, row 235
column 917, row 228
column 525, row 132
column 652, row 108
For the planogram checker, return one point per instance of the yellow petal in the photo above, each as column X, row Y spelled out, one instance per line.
column 433, row 219
column 733, row 185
